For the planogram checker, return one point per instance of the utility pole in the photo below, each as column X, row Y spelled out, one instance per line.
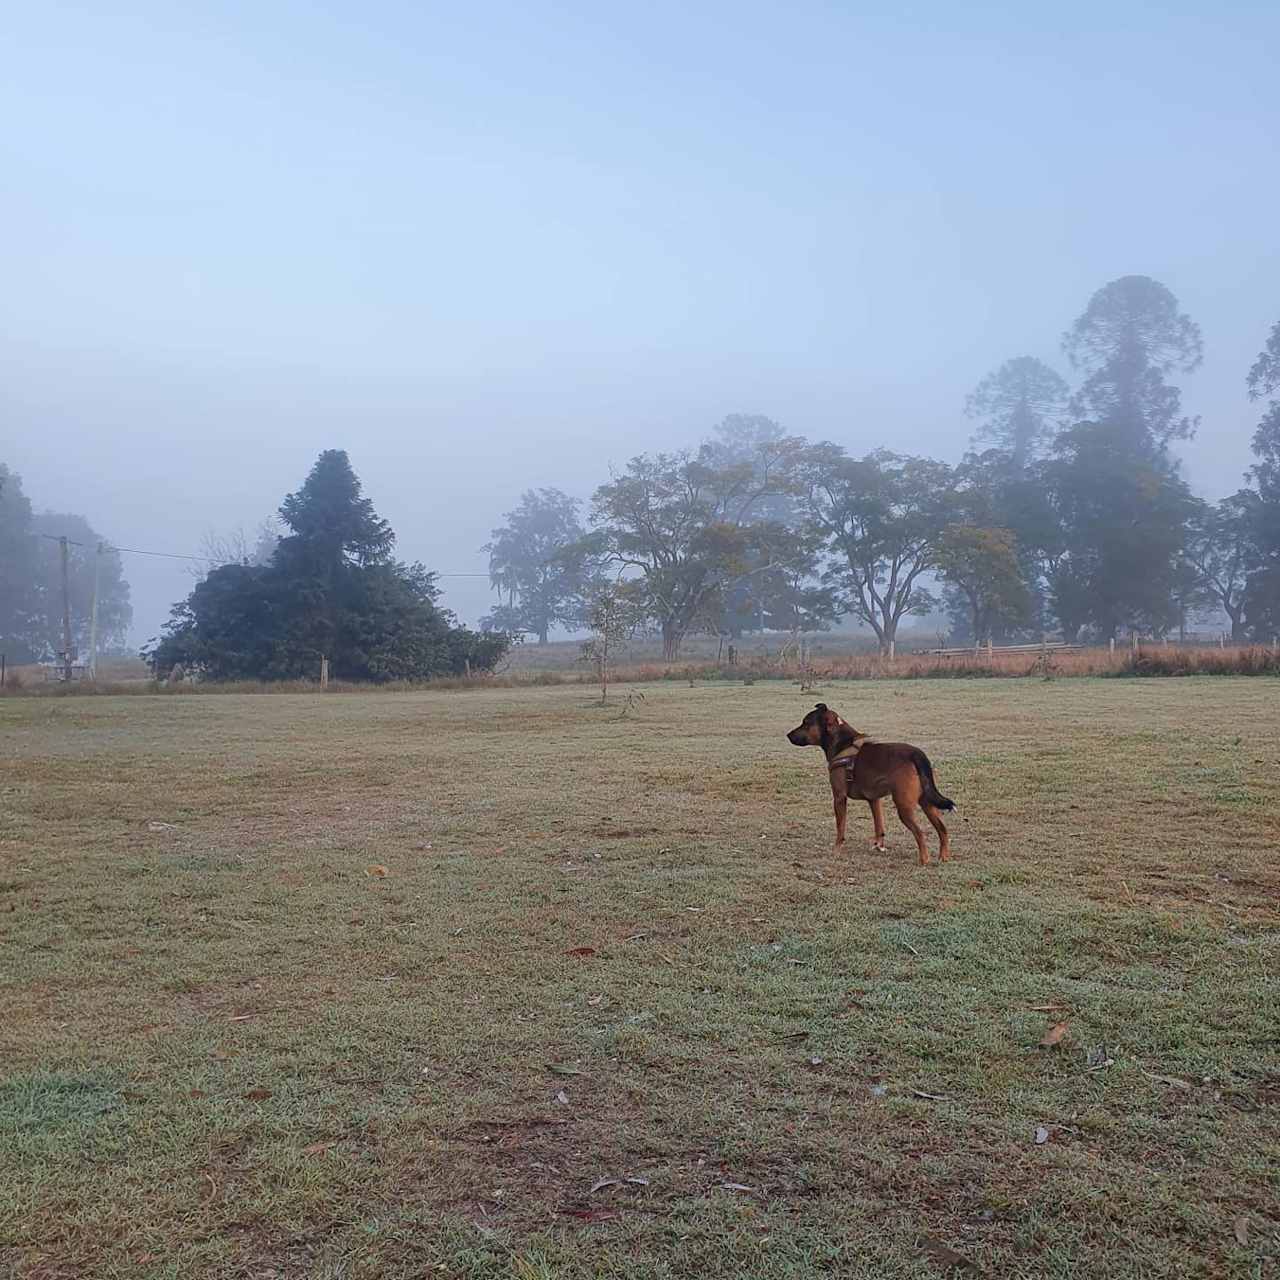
column 64, row 555
column 66, row 607
column 93, row 616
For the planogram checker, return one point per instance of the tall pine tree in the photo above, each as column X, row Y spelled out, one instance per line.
column 330, row 589
column 1121, row 505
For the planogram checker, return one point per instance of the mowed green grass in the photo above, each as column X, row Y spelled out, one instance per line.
column 229, row 1046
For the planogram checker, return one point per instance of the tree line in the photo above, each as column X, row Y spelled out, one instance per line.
column 1068, row 515
column 31, row 590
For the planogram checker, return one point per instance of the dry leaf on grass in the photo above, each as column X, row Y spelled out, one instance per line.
column 377, row 869
column 1054, row 1035
column 1172, row 1080
column 258, row 1095
column 1042, row 1136
column 736, row 1186
column 1242, row 1230
column 581, row 951
column 316, row 1148
column 562, row 1098
column 638, row 1182
column 944, row 1255
column 604, row 1182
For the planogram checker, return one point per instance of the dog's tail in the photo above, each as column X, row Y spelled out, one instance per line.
column 931, row 795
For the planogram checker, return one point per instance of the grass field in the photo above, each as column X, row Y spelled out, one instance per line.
column 498, row 983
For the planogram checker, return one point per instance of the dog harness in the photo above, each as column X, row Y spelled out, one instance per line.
column 843, row 761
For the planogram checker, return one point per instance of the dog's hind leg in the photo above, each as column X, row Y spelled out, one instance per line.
column 935, row 817
column 877, row 817
column 907, row 813
column 907, row 793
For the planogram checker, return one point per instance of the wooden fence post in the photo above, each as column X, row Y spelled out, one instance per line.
column 324, row 672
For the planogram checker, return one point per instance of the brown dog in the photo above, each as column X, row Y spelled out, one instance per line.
column 872, row 770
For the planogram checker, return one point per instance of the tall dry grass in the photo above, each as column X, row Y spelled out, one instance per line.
column 1155, row 660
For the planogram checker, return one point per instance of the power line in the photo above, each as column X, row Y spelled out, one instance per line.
column 168, row 555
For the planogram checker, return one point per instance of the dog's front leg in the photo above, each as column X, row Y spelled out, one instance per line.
column 840, row 799
column 877, row 817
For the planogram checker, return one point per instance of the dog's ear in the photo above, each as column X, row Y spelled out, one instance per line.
column 822, row 706
column 831, row 719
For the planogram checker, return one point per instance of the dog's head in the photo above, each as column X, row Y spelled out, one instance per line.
column 819, row 726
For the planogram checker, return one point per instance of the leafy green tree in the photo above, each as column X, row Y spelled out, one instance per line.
column 1262, row 592
column 1019, row 407
column 686, row 530
column 758, row 444
column 1120, row 505
column 229, row 628
column 1221, row 553
column 539, row 562
column 1264, row 381
column 19, row 600
column 783, row 592
column 1262, row 600
column 1122, row 511
column 982, row 565
column 882, row 518
column 780, row 593
column 993, row 492
column 1129, row 338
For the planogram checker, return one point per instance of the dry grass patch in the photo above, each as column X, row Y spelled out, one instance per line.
column 504, row 985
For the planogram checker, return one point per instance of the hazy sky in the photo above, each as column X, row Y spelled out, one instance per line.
column 491, row 246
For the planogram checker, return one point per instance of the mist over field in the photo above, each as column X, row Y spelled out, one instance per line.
column 503, row 249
